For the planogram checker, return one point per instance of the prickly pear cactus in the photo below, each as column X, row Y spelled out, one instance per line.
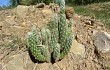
column 52, row 43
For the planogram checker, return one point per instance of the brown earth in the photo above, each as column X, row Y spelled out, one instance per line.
column 16, row 23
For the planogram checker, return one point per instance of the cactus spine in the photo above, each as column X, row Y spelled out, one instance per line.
column 55, row 42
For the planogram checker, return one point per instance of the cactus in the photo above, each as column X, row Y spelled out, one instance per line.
column 40, row 52
column 54, row 42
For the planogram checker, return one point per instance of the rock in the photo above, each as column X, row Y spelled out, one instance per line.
column 40, row 5
column 15, row 30
column 19, row 62
column 69, row 11
column 23, row 24
column 1, row 25
column 54, row 7
column 55, row 66
column 101, row 41
column 11, row 20
column 22, row 10
column 3, row 54
column 77, row 48
column 47, row 12
column 32, row 9
column 88, row 20
column 44, row 66
column 16, row 63
column 1, row 66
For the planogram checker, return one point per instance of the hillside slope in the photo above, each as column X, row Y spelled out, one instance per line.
column 85, row 53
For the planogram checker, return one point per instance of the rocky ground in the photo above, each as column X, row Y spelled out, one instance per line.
column 90, row 49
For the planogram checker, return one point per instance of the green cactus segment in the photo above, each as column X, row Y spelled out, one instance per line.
column 44, row 51
column 57, row 2
column 69, row 28
column 38, row 55
column 31, row 41
column 55, row 21
column 62, row 30
column 35, row 52
column 62, row 6
column 70, row 37
column 56, row 52
column 55, row 32
column 55, row 29
column 46, row 36
column 62, row 24
column 70, row 23
column 35, row 36
column 67, row 47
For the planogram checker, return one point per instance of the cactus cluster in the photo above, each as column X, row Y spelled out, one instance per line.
column 52, row 43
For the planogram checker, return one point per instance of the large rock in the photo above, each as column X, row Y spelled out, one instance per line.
column 22, row 10
column 101, row 41
column 18, row 62
column 77, row 48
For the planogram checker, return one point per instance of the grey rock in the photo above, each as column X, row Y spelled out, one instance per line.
column 101, row 41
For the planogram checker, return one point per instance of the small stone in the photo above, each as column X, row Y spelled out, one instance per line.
column 99, row 27
column 46, row 13
column 88, row 20
column 11, row 20
column 1, row 25
column 1, row 65
column 77, row 48
column 23, row 24
column 32, row 9
column 40, row 5
column 1, row 56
